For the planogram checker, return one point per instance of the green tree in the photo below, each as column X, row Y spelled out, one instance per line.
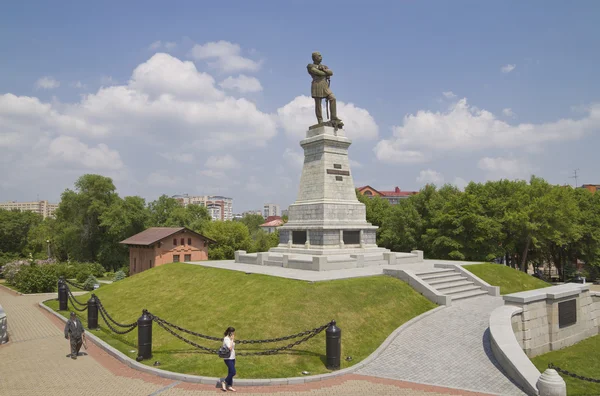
column 14, row 228
column 253, row 222
column 229, row 236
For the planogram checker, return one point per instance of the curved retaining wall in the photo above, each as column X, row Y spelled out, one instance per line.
column 508, row 352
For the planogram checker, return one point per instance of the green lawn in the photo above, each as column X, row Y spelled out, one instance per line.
column 582, row 358
column 509, row 279
column 208, row 300
column 3, row 283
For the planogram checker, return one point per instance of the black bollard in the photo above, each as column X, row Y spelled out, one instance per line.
column 62, row 295
column 144, row 336
column 333, row 346
column 92, row 312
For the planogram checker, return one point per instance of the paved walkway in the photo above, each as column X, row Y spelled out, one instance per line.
column 450, row 348
column 315, row 276
column 34, row 363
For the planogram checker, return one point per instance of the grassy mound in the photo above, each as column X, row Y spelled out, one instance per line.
column 509, row 279
column 208, row 300
column 582, row 359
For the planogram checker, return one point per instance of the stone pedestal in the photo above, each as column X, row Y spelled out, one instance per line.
column 327, row 226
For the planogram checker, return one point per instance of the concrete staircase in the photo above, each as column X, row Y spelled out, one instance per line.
column 452, row 283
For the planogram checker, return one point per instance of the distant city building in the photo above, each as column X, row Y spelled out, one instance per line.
column 238, row 216
column 591, row 187
column 270, row 209
column 160, row 245
column 392, row 197
column 252, row 212
column 219, row 207
column 271, row 224
column 41, row 207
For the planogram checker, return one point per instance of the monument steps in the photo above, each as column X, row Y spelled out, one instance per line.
column 451, row 283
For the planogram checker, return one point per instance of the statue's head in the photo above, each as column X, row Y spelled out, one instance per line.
column 316, row 57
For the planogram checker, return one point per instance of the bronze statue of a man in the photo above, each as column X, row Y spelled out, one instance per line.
column 320, row 89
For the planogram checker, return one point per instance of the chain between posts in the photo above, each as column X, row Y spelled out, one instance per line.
column 103, row 310
column 112, row 328
column 77, row 285
column 71, row 298
column 309, row 334
column 573, row 375
column 71, row 295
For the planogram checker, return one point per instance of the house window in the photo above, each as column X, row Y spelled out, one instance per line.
column 175, row 258
column 190, row 241
column 174, row 241
column 134, row 263
column 182, row 241
column 205, row 243
column 187, row 257
column 150, row 263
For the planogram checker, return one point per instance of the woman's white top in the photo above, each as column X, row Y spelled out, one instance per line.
column 229, row 344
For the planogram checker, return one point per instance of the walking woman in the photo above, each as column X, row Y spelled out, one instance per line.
column 229, row 342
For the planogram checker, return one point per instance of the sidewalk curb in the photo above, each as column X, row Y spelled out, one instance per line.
column 55, row 294
column 245, row 382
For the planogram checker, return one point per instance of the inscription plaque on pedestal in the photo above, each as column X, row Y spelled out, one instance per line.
column 567, row 313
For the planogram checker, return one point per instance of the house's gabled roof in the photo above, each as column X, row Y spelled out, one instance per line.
column 273, row 221
column 155, row 234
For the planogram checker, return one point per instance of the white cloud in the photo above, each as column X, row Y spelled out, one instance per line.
column 107, row 81
column 242, row 83
column 449, row 94
column 293, row 158
column 296, row 116
column 71, row 150
column 47, row 82
column 430, row 176
column 224, row 56
column 78, row 84
column 155, row 45
column 460, row 183
column 507, row 68
column 505, row 168
column 222, row 162
column 508, row 112
column 355, row 164
column 214, row 174
column 466, row 128
column 168, row 45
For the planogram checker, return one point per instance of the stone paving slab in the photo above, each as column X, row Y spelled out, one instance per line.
column 449, row 348
column 37, row 366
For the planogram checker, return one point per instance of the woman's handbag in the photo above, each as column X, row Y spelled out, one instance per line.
column 224, row 352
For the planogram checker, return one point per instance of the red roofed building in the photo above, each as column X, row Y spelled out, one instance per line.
column 271, row 224
column 392, row 197
column 160, row 245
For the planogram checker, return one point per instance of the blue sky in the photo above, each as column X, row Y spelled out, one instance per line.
column 211, row 98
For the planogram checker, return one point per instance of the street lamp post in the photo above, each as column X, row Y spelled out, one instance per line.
column 48, row 244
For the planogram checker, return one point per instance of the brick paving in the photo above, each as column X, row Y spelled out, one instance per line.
column 34, row 363
column 450, row 348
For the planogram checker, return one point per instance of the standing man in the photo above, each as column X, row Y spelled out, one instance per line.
column 74, row 332
column 320, row 89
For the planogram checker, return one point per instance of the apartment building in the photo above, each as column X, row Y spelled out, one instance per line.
column 43, row 208
column 270, row 209
column 219, row 207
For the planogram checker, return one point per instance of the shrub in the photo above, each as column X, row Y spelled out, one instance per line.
column 125, row 270
column 90, row 282
column 119, row 276
column 97, row 270
column 36, row 279
column 83, row 272
column 11, row 270
column 109, row 275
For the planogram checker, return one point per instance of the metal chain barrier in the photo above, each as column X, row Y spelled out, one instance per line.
column 573, row 375
column 71, row 298
column 77, row 285
column 71, row 295
column 114, row 329
column 268, row 340
column 103, row 310
column 309, row 334
column 162, row 324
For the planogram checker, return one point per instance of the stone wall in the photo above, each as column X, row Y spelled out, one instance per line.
column 537, row 328
column 3, row 327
